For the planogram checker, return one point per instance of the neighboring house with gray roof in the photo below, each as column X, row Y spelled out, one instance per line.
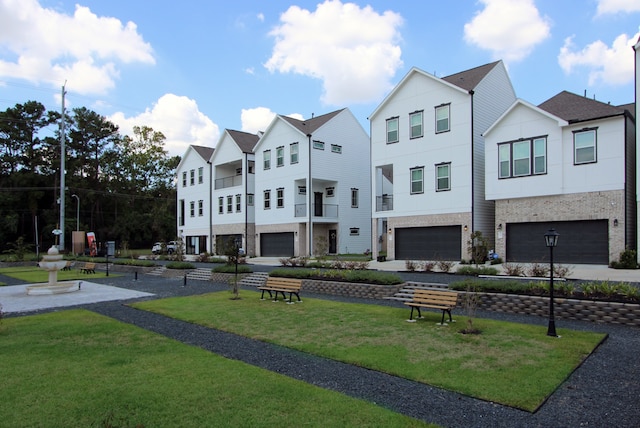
column 567, row 164
column 232, row 195
column 321, row 163
column 427, row 168
column 193, row 209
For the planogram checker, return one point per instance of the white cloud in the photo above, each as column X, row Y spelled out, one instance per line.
column 617, row 6
column 611, row 65
column 258, row 119
column 84, row 49
column 508, row 28
column 353, row 50
column 178, row 118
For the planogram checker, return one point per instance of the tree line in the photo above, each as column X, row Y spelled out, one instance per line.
column 124, row 184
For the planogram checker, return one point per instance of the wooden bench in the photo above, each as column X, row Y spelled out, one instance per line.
column 68, row 266
column 444, row 300
column 88, row 268
column 282, row 285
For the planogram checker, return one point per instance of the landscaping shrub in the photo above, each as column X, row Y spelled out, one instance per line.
column 428, row 266
column 180, row 265
column 444, row 265
column 357, row 275
column 513, row 269
column 139, row 263
column 232, row 269
column 475, row 271
column 628, row 260
column 538, row 270
column 410, row 265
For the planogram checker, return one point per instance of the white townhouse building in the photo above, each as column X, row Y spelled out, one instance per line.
column 567, row 164
column 233, row 164
column 427, row 162
column 193, row 190
column 321, row 163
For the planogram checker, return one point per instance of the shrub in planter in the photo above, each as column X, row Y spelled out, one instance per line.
column 180, row 265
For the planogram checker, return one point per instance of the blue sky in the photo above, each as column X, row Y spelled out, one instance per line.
column 191, row 69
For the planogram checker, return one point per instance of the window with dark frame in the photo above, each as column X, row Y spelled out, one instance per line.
column 220, row 205
column 267, row 199
column 280, row 197
column 585, row 146
column 354, row 197
column 229, row 204
column 266, row 155
column 192, row 177
column 200, row 208
column 200, row 175
column 392, row 130
column 443, row 113
column 417, row 180
column 238, row 203
column 192, row 208
column 354, row 231
column 184, row 179
column 416, row 124
column 279, row 156
column 294, row 150
column 318, row 145
column 250, row 199
column 443, row 177
column 335, row 148
column 522, row 158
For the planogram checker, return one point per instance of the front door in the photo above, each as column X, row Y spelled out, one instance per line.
column 317, row 204
column 333, row 241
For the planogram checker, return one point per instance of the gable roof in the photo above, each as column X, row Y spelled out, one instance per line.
column 204, row 152
column 469, row 79
column 463, row 81
column 523, row 103
column 309, row 126
column 244, row 140
column 575, row 108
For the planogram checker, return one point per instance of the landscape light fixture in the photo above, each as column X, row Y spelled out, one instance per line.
column 551, row 240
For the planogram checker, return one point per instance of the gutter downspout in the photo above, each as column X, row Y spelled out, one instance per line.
column 309, row 193
column 210, row 207
column 245, row 169
column 473, row 164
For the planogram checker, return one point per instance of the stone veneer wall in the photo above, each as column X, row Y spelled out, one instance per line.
column 607, row 205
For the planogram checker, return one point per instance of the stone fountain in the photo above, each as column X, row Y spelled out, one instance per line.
column 52, row 263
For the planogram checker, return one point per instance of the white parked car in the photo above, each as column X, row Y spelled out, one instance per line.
column 160, row 247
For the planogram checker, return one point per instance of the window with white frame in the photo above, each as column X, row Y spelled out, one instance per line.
column 200, row 208
column 266, row 159
column 200, row 175
column 280, row 156
column 220, row 205
column 280, row 197
column 584, row 146
column 293, row 151
column 442, row 118
column 415, row 124
column 267, row 199
column 443, row 177
column 417, row 180
column 354, row 197
column 192, row 177
column 522, row 158
column 192, row 208
column 184, row 178
column 392, row 130
column 335, row 148
column 250, row 199
column 318, row 145
column 238, row 203
column 229, row 204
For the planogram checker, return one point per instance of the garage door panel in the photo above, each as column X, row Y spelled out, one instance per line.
column 428, row 243
column 276, row 244
column 580, row 242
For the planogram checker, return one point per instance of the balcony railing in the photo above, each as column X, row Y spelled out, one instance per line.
column 384, row 203
column 324, row 210
column 232, row 181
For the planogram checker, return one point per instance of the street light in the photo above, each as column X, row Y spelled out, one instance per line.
column 551, row 240
column 77, row 212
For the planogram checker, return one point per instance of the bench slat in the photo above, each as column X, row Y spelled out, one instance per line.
column 444, row 300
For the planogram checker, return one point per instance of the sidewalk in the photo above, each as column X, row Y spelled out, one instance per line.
column 582, row 272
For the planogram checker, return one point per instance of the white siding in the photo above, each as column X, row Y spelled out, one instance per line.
column 198, row 225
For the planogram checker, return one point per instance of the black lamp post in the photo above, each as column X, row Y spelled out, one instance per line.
column 551, row 240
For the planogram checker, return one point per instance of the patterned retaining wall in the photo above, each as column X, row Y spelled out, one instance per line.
column 572, row 309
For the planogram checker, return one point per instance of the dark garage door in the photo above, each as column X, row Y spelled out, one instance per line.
column 276, row 244
column 428, row 243
column 580, row 242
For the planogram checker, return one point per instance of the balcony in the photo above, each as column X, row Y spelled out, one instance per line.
column 384, row 203
column 327, row 211
column 231, row 181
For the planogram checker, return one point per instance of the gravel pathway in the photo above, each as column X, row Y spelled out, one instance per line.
column 605, row 390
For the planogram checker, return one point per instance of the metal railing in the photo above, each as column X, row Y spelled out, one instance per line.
column 384, row 203
column 224, row 182
column 324, row 210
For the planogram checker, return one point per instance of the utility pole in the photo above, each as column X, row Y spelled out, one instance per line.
column 62, row 172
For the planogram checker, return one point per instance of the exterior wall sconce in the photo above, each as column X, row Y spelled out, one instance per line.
column 615, row 222
column 465, row 228
column 500, row 226
column 389, row 230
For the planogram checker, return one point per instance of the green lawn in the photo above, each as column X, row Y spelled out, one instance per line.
column 79, row 369
column 37, row 275
column 513, row 364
